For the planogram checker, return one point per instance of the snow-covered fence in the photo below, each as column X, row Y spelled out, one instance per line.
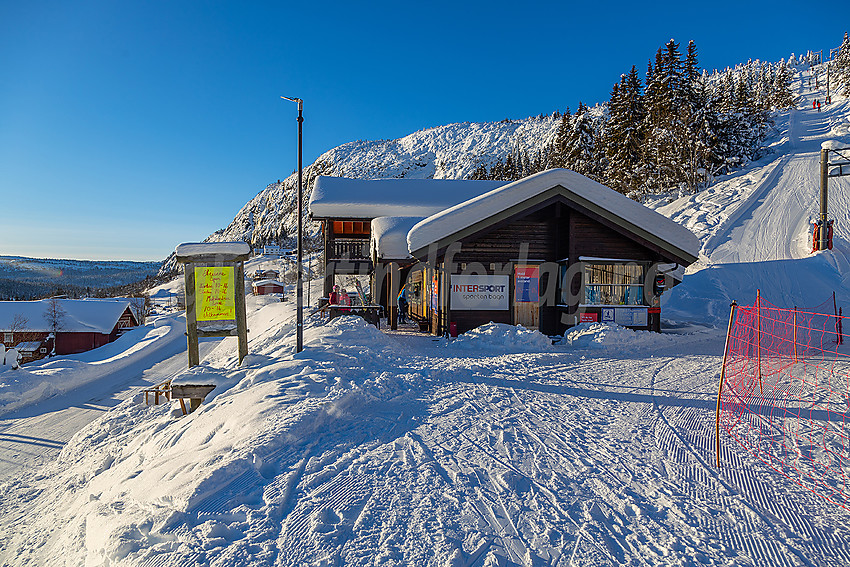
column 784, row 394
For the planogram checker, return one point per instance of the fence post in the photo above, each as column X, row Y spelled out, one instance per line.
column 758, row 338
column 722, row 378
column 840, row 329
column 795, row 334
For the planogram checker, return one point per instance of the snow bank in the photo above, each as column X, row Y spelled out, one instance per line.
column 503, row 338
column 612, row 336
column 124, row 357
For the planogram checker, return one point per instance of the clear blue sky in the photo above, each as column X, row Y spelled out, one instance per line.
column 127, row 128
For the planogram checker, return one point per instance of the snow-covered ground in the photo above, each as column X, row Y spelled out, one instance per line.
column 394, row 448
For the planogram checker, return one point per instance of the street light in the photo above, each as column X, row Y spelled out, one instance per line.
column 299, row 293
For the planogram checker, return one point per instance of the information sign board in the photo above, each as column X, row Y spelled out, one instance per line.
column 478, row 293
column 215, row 297
column 630, row 316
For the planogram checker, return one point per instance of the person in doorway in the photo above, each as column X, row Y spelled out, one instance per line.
column 402, row 306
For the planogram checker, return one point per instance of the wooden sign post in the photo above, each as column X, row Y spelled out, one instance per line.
column 215, row 293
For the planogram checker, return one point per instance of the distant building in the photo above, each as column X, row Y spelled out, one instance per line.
column 272, row 251
column 266, row 287
column 265, row 275
column 80, row 325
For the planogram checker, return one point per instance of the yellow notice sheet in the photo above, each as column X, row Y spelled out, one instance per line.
column 215, row 298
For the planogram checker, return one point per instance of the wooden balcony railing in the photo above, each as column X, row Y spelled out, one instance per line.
column 350, row 248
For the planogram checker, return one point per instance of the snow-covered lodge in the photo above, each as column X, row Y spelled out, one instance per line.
column 74, row 325
column 548, row 251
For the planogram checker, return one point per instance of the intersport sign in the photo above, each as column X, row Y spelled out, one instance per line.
column 479, row 293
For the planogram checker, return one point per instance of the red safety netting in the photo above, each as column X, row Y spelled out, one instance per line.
column 785, row 395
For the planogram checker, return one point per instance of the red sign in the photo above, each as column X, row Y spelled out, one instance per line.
column 654, row 310
column 527, row 284
column 589, row 317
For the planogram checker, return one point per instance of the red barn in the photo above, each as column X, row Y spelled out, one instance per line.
column 266, row 287
column 76, row 325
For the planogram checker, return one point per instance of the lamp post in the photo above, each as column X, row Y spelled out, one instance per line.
column 299, row 292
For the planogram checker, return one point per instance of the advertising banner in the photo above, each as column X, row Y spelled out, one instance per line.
column 527, row 284
column 478, row 293
column 215, row 297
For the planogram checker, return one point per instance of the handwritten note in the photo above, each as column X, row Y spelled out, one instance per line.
column 215, row 299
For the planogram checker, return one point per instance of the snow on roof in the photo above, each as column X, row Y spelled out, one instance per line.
column 267, row 282
column 340, row 197
column 238, row 248
column 80, row 315
column 389, row 237
column 450, row 221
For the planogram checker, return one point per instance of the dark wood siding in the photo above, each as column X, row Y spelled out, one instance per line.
column 505, row 243
column 591, row 238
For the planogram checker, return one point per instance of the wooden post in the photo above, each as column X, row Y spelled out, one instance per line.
column 393, row 289
column 758, row 338
column 722, row 378
column 191, row 320
column 241, row 316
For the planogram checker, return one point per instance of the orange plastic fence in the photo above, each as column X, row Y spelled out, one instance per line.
column 785, row 394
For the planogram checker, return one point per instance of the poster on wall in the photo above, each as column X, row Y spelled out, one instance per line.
column 479, row 293
column 435, row 292
column 527, row 284
column 630, row 316
column 215, row 297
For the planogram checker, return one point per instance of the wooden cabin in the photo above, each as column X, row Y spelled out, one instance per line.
column 81, row 325
column 347, row 207
column 266, row 287
column 548, row 252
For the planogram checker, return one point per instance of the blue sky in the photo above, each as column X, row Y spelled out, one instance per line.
column 127, row 128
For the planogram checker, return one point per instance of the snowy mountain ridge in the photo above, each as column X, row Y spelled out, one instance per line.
column 444, row 152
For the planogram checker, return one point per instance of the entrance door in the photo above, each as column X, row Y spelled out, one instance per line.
column 527, row 296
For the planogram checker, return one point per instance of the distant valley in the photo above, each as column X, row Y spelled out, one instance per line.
column 32, row 278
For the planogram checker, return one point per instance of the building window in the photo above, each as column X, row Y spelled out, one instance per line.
column 9, row 338
column 42, row 350
column 614, row 284
column 351, row 227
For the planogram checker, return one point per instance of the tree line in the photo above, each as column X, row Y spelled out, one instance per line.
column 674, row 128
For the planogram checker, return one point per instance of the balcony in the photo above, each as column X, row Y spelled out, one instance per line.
column 349, row 249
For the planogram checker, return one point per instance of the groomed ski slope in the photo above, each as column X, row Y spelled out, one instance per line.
column 498, row 448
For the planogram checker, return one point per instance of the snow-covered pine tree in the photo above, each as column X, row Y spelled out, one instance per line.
column 842, row 67
column 624, row 136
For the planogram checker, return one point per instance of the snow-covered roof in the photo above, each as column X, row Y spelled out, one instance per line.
column 389, row 237
column 267, row 282
column 79, row 315
column 339, row 197
column 590, row 194
column 191, row 249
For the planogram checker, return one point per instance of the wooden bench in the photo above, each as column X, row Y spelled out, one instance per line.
column 195, row 392
column 161, row 389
